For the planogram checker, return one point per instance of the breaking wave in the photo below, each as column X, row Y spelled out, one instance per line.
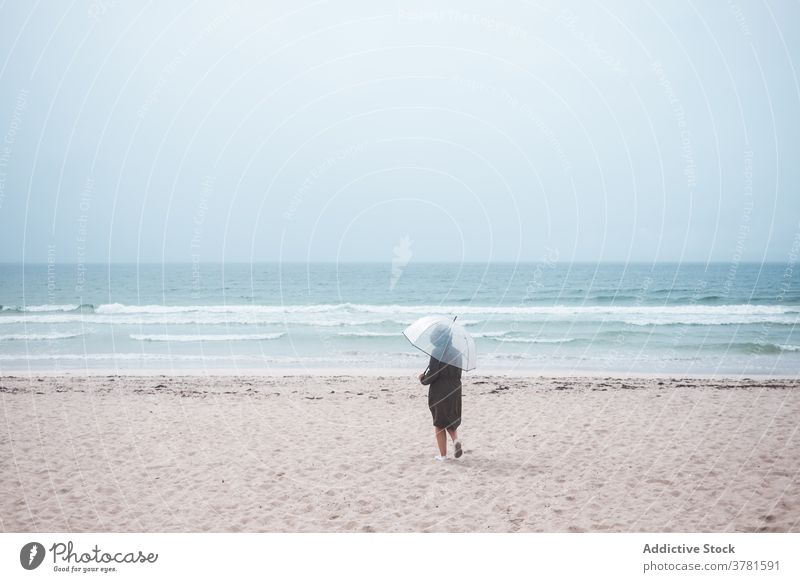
column 206, row 338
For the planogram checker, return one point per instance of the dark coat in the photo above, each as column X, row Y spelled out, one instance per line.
column 444, row 394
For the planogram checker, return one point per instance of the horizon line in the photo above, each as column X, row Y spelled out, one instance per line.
column 389, row 262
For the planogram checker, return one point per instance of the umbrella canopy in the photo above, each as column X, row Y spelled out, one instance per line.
column 443, row 339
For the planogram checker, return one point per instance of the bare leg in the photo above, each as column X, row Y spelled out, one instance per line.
column 441, row 440
column 456, row 443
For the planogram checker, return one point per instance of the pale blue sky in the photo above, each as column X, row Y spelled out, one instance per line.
column 332, row 130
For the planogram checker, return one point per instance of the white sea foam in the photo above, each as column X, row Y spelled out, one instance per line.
column 362, row 358
column 118, row 308
column 39, row 308
column 126, row 357
column 369, row 334
column 741, row 309
column 206, row 337
column 489, row 334
column 31, row 337
column 534, row 340
column 347, row 314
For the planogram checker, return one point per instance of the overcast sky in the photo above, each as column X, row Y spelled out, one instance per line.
column 334, row 130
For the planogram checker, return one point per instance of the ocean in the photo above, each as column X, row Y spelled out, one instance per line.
column 531, row 317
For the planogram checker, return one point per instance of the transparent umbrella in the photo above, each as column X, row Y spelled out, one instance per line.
column 443, row 339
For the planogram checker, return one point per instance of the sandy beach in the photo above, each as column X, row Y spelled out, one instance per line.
column 355, row 454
